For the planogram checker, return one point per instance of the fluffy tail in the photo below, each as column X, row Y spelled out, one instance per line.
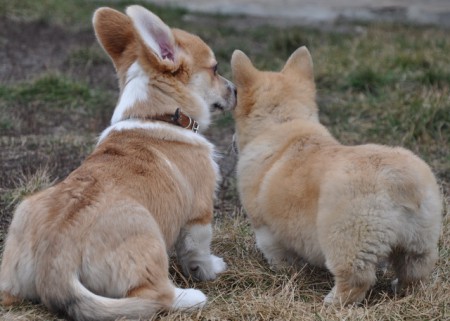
column 83, row 305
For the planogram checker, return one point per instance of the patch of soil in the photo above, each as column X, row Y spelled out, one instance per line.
column 29, row 48
column 32, row 49
column 36, row 47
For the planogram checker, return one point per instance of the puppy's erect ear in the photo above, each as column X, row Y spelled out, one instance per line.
column 114, row 31
column 243, row 71
column 300, row 64
column 156, row 35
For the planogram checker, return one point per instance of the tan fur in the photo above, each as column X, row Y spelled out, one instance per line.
column 95, row 245
column 343, row 207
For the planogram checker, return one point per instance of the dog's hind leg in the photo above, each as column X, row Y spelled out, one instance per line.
column 18, row 274
column 351, row 287
column 194, row 252
column 274, row 252
column 412, row 267
column 417, row 252
column 353, row 261
column 352, row 250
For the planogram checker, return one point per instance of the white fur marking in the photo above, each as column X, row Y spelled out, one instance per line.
column 136, row 89
column 218, row 264
column 264, row 237
column 197, row 244
column 330, row 297
column 188, row 299
column 204, row 117
column 199, row 239
column 269, row 245
column 174, row 133
column 82, row 291
column 194, row 253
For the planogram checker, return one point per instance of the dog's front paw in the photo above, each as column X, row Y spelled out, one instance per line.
column 218, row 264
column 395, row 286
column 330, row 298
column 206, row 269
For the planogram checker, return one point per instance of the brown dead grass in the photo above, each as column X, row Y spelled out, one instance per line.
column 249, row 290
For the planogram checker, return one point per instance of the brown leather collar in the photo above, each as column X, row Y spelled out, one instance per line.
column 178, row 119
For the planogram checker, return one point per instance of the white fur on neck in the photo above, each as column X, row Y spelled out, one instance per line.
column 196, row 86
column 173, row 132
column 204, row 117
column 135, row 90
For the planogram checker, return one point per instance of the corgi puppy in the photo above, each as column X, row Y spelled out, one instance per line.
column 95, row 245
column 341, row 207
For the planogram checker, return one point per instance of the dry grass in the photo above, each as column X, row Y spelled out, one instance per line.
column 385, row 84
column 249, row 290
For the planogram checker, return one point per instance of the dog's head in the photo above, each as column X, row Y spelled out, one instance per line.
column 267, row 98
column 160, row 69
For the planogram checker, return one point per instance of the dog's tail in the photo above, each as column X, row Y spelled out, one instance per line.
column 82, row 305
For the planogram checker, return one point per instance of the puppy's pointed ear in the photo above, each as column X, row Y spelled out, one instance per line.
column 242, row 68
column 156, row 35
column 114, row 32
column 300, row 64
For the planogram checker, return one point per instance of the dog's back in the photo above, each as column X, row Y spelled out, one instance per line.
column 343, row 207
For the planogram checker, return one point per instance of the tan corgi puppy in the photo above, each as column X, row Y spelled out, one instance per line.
column 95, row 245
column 342, row 207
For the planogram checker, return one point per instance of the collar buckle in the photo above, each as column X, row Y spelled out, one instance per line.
column 195, row 126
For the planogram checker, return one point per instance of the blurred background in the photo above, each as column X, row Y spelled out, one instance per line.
column 316, row 12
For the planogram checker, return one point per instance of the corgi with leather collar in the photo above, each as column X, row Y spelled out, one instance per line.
column 94, row 246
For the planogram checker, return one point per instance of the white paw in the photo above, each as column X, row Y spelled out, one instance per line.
column 218, row 264
column 188, row 299
column 395, row 286
column 329, row 298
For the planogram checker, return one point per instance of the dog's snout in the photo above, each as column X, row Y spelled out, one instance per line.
column 232, row 88
column 235, row 91
column 228, row 95
column 234, row 144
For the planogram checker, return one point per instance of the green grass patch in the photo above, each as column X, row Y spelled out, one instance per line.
column 288, row 41
column 52, row 92
column 367, row 80
column 87, row 57
column 55, row 91
column 410, row 60
column 434, row 77
column 50, row 101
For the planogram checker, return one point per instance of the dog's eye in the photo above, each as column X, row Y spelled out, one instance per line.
column 214, row 68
